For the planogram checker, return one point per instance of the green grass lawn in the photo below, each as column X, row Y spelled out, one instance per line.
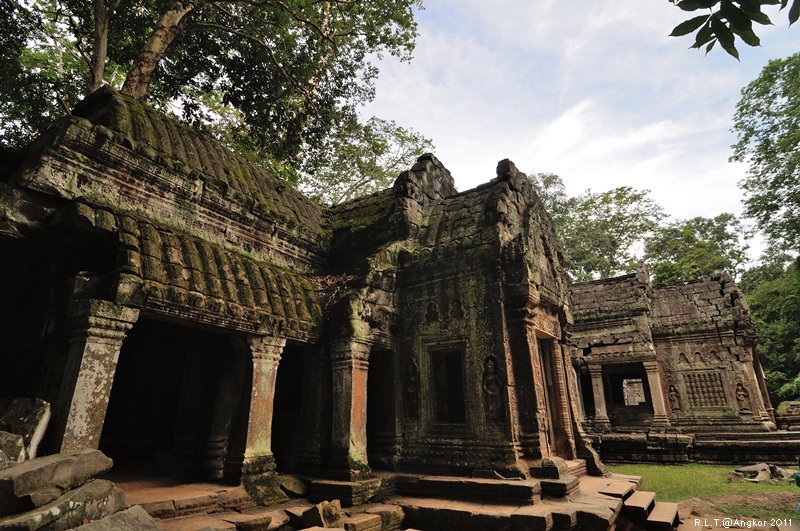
column 680, row 482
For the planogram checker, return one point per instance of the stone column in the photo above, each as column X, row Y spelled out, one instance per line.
column 660, row 416
column 349, row 365
column 601, row 422
column 266, row 354
column 98, row 329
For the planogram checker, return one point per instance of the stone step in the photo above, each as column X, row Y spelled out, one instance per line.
column 618, row 489
column 499, row 491
column 638, row 505
column 577, row 468
column 663, row 517
column 447, row 515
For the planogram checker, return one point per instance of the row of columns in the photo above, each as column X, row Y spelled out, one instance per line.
column 601, row 420
column 99, row 328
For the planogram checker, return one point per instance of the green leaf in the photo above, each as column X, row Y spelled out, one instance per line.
column 684, row 28
column 737, row 18
column 794, row 12
column 704, row 35
column 750, row 38
column 689, row 5
column 710, row 46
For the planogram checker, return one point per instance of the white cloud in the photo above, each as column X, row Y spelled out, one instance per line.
column 593, row 91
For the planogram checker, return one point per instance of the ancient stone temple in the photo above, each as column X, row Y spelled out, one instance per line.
column 182, row 307
column 670, row 370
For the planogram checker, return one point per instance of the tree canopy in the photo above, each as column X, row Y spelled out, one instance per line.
column 767, row 125
column 293, row 69
column 365, row 158
column 688, row 250
column 599, row 232
column 726, row 21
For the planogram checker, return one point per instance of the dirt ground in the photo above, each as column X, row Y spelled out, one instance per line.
column 714, row 513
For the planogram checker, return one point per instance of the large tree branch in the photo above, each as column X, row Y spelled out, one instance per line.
column 166, row 30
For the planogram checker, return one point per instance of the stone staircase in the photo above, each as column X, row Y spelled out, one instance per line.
column 640, row 510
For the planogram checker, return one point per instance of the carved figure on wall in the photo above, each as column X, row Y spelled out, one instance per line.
column 674, row 400
column 717, row 356
column 742, row 397
column 698, row 358
column 411, row 390
column 492, row 387
column 432, row 313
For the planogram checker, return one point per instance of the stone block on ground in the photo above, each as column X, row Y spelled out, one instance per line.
column 13, row 445
column 362, row 522
column 391, row 516
column 5, row 462
column 39, row 481
column 132, row 519
column 293, row 486
column 92, row 501
column 247, row 522
column 324, row 514
column 196, row 522
column 27, row 417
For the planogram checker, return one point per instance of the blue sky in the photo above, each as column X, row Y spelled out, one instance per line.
column 595, row 92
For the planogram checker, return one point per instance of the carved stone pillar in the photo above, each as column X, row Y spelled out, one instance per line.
column 349, row 366
column 601, row 422
column 266, row 354
column 98, row 329
column 660, row 416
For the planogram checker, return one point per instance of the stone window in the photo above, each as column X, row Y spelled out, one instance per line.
column 447, row 380
column 633, row 391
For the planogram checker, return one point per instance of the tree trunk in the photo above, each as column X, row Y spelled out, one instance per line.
column 168, row 27
column 102, row 17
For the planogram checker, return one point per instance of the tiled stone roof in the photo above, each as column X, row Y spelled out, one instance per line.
column 166, row 141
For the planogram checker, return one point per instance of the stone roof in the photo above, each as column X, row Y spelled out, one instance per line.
column 166, row 141
column 169, row 272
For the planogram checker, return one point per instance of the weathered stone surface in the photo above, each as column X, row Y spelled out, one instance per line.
column 13, row 446
column 52, row 474
column 362, row 522
column 5, row 462
column 325, row 514
column 132, row 519
column 293, row 486
column 391, row 516
column 27, row 417
column 247, row 522
column 92, row 501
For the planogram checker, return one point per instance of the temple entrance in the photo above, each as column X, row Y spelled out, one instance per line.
column 381, row 407
column 175, row 395
column 287, row 416
column 629, row 393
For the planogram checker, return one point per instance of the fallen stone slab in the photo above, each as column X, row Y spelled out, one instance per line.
column 27, row 417
column 753, row 470
column 278, row 517
column 362, row 522
column 38, row 481
column 293, row 486
column 197, row 522
column 132, row 519
column 92, row 501
column 13, row 445
column 324, row 514
column 391, row 515
column 246, row 522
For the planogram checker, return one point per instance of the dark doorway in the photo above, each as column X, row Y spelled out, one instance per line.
column 381, row 407
column 175, row 394
column 287, row 421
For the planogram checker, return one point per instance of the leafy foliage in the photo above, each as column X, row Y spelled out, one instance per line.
column 366, row 157
column 727, row 20
column 293, row 69
column 767, row 125
column 599, row 232
column 773, row 294
column 692, row 249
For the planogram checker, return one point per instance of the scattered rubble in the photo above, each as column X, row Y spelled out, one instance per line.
column 762, row 473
